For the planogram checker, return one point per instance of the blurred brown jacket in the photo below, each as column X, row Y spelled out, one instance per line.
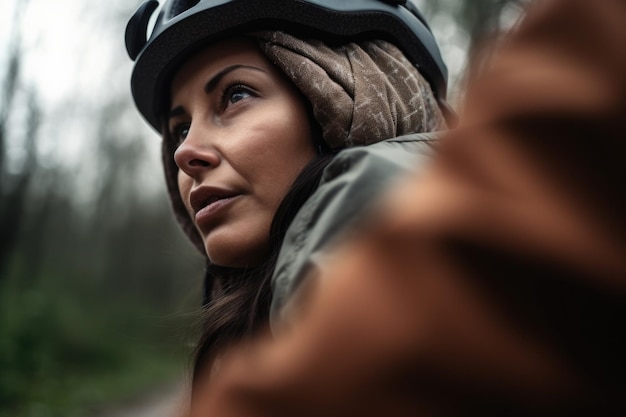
column 494, row 283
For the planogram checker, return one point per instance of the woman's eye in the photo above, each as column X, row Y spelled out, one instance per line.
column 235, row 93
column 238, row 95
column 180, row 132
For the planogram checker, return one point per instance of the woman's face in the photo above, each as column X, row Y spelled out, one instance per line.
column 244, row 136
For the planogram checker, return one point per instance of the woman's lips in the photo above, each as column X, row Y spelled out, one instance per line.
column 205, row 215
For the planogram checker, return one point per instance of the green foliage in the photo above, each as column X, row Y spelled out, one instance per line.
column 96, row 298
column 97, row 284
column 57, row 362
column 88, row 325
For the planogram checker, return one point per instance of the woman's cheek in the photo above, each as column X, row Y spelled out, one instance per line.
column 184, row 188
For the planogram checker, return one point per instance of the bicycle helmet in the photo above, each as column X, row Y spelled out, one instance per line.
column 184, row 26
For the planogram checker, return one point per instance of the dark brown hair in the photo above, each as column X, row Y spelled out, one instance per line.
column 237, row 301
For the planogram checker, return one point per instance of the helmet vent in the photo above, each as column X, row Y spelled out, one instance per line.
column 180, row 6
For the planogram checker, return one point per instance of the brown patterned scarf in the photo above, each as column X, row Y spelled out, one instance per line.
column 361, row 92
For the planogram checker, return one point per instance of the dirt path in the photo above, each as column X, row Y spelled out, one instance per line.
column 164, row 403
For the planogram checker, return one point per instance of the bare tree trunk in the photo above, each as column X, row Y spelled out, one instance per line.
column 14, row 185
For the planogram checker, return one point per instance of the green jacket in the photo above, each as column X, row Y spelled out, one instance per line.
column 350, row 184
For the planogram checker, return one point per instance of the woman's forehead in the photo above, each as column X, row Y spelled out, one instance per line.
column 220, row 54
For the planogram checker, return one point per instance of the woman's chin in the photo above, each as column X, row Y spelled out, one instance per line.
column 238, row 258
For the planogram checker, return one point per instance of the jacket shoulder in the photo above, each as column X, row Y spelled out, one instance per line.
column 350, row 186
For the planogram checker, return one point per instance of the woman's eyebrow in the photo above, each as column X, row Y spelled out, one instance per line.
column 176, row 111
column 213, row 82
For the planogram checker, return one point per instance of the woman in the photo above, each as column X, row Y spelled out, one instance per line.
column 258, row 103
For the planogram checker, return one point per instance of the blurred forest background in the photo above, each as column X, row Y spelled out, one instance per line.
column 98, row 287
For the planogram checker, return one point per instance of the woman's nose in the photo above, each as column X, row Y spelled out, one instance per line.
column 196, row 154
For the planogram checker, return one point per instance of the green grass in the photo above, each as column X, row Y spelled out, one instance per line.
column 65, row 355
